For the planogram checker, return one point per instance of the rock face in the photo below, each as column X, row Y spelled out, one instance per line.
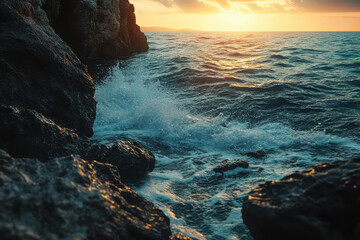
column 47, row 110
column 26, row 132
column 97, row 28
column 321, row 203
column 68, row 198
column 39, row 72
column 132, row 160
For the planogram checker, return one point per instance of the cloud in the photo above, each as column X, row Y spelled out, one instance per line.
column 166, row 3
column 326, row 5
column 197, row 6
column 262, row 6
column 224, row 4
column 255, row 7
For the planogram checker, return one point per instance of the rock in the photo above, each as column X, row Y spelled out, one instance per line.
column 70, row 198
column 227, row 166
column 39, row 71
column 133, row 161
column 97, row 28
column 258, row 154
column 27, row 133
column 320, row 203
column 180, row 236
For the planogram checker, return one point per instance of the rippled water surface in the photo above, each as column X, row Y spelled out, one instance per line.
column 294, row 95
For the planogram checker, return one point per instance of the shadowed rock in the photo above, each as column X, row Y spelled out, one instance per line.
column 28, row 133
column 133, row 161
column 97, row 28
column 180, row 236
column 227, row 166
column 47, row 109
column 258, row 154
column 70, row 198
column 39, row 71
column 321, row 203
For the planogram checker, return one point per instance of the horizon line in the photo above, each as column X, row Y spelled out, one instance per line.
column 168, row 29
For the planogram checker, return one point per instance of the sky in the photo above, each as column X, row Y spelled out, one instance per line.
column 250, row 15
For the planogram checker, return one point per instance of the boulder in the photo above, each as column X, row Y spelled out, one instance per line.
column 97, row 28
column 180, row 236
column 227, row 165
column 132, row 160
column 39, row 71
column 258, row 154
column 321, row 203
column 70, row 198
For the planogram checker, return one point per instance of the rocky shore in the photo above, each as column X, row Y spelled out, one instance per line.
column 320, row 203
column 54, row 183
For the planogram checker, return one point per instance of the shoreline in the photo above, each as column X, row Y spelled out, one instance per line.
column 56, row 183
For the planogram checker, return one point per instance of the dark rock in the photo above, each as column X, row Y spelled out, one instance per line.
column 97, row 28
column 133, row 161
column 28, row 133
column 320, row 203
column 39, row 71
column 70, row 198
column 180, row 236
column 258, row 154
column 227, row 166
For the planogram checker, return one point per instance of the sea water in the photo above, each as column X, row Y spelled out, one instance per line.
column 197, row 99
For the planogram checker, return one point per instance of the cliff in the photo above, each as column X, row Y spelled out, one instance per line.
column 54, row 183
column 97, row 28
column 47, row 95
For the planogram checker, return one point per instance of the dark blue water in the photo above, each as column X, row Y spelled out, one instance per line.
column 294, row 95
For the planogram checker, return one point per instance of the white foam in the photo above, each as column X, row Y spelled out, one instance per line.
column 133, row 103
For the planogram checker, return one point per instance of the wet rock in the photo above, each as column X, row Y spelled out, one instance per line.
column 39, row 71
column 319, row 203
column 70, row 198
column 27, row 133
column 258, row 154
column 132, row 160
column 180, row 236
column 227, row 165
column 97, row 28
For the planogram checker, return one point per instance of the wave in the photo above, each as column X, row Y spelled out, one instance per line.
column 237, row 54
column 130, row 101
column 194, row 107
column 278, row 56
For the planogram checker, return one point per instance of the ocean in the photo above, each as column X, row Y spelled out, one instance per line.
column 196, row 99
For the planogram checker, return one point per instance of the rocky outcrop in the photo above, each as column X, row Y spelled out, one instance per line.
column 68, row 198
column 97, row 28
column 132, row 160
column 321, row 203
column 227, row 165
column 26, row 132
column 258, row 154
column 47, row 110
column 39, row 72
column 180, row 236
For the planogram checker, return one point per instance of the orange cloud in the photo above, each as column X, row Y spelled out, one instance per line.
column 262, row 6
column 196, row 6
column 326, row 5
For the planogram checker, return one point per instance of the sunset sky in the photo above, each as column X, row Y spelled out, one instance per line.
column 250, row 15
